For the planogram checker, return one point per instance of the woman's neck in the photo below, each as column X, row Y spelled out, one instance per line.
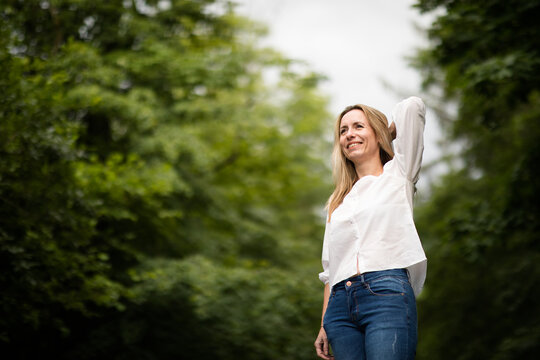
column 373, row 167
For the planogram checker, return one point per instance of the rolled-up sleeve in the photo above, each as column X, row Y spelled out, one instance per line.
column 409, row 117
column 324, row 276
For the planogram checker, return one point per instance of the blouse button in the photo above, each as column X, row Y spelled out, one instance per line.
column 348, row 283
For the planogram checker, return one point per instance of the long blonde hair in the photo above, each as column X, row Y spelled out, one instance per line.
column 343, row 169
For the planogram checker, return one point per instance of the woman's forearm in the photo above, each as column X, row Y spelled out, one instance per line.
column 325, row 301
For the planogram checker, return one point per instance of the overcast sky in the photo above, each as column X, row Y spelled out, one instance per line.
column 356, row 43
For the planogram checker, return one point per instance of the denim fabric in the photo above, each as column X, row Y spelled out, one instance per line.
column 372, row 316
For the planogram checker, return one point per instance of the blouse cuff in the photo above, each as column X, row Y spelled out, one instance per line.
column 324, row 277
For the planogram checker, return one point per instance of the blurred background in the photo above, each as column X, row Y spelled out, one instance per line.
column 164, row 166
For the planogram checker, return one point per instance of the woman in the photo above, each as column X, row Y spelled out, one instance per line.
column 372, row 258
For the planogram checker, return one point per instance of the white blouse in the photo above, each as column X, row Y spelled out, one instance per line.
column 373, row 229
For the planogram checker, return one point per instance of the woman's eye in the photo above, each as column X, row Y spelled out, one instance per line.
column 342, row 131
column 359, row 126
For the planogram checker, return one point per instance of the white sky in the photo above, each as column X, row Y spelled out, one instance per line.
column 356, row 43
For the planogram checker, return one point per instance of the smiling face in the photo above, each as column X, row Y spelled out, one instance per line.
column 357, row 139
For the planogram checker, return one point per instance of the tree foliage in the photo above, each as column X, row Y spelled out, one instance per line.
column 481, row 224
column 156, row 191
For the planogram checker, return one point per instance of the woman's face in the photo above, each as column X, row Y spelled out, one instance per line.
column 357, row 138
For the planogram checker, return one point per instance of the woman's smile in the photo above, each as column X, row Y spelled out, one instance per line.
column 354, row 144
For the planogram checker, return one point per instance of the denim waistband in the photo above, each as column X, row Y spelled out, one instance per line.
column 371, row 275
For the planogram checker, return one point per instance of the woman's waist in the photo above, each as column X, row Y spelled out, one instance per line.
column 370, row 276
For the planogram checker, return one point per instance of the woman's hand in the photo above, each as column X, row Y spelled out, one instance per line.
column 321, row 345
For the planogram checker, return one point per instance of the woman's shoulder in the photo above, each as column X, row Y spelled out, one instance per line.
column 393, row 170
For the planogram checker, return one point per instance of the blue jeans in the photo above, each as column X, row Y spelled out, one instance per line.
column 372, row 316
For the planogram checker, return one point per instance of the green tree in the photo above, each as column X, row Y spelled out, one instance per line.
column 481, row 224
column 155, row 190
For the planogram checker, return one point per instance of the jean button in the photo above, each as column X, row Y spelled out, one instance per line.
column 348, row 283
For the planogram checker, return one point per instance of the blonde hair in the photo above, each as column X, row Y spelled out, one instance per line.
column 343, row 169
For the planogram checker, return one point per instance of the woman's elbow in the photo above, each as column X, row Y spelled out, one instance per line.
column 416, row 104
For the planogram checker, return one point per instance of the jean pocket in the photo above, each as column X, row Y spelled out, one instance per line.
column 327, row 312
column 387, row 286
column 332, row 295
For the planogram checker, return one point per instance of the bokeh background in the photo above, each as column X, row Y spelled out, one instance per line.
column 164, row 167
